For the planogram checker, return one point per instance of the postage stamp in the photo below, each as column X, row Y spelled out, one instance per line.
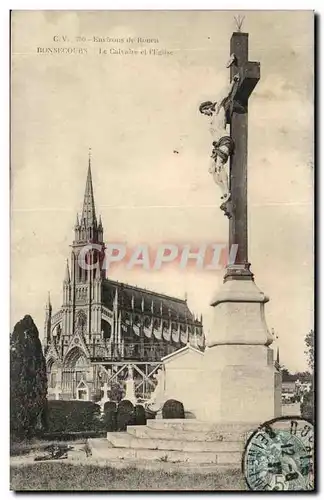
column 279, row 455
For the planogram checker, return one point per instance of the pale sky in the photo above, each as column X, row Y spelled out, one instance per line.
column 134, row 111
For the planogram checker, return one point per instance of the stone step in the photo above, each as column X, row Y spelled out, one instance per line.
column 144, row 431
column 126, row 440
column 102, row 451
column 243, row 428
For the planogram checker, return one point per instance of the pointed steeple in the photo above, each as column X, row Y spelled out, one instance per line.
column 88, row 217
column 67, row 273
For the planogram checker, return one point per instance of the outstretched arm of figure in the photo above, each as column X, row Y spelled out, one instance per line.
column 227, row 93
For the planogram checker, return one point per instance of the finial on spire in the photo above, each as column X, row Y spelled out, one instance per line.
column 89, row 154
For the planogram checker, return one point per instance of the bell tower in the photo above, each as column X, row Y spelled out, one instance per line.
column 83, row 287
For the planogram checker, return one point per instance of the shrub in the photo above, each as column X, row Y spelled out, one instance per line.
column 110, row 416
column 116, row 392
column 125, row 415
column 140, row 417
column 307, row 406
column 28, row 380
column 110, row 406
column 173, row 409
column 72, row 416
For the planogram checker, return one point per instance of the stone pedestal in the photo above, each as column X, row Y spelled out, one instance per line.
column 239, row 316
column 240, row 381
column 238, row 385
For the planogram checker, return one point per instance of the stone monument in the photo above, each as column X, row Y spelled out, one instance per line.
column 239, row 372
column 105, row 398
column 130, row 386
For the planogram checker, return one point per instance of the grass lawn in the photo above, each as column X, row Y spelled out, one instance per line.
column 59, row 476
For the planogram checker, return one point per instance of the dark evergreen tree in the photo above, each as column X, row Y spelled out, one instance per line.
column 28, row 380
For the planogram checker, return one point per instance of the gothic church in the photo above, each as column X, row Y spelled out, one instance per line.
column 104, row 324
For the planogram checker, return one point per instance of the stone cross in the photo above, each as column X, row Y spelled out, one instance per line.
column 238, row 119
column 105, row 388
column 57, row 391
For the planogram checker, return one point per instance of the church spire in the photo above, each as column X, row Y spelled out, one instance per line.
column 88, row 217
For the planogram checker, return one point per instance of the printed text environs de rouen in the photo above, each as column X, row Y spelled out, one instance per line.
column 104, row 45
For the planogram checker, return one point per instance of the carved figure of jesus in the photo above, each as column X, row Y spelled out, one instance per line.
column 223, row 145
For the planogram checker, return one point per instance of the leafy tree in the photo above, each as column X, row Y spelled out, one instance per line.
column 309, row 341
column 28, row 381
column 286, row 375
column 304, row 376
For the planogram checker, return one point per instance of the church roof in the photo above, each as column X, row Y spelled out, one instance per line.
column 147, row 301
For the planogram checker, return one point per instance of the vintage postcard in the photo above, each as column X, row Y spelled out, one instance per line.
column 162, row 250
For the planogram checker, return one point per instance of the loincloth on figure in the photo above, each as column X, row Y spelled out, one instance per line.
column 219, row 146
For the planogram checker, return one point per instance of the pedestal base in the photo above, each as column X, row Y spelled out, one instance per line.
column 240, row 381
column 239, row 385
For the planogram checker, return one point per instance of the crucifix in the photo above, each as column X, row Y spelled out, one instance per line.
column 231, row 108
column 249, row 75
